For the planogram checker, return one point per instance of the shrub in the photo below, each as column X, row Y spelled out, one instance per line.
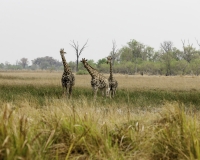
column 82, row 72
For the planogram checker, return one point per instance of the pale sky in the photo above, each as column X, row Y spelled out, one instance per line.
column 38, row 28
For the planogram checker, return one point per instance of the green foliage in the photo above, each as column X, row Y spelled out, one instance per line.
column 125, row 54
column 101, row 61
column 176, row 136
column 105, row 68
column 15, row 136
column 133, row 58
column 46, row 62
column 180, row 67
column 150, row 68
column 195, row 66
column 42, row 96
column 82, row 72
column 90, row 62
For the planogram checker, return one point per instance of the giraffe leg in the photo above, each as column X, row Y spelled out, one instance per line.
column 63, row 86
column 95, row 89
column 108, row 92
column 67, row 90
column 64, row 91
column 115, row 91
column 70, row 91
column 113, row 94
column 104, row 92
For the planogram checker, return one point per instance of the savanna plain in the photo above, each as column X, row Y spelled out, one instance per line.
column 150, row 118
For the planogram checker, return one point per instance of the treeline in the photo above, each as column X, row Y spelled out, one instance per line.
column 42, row 63
column 133, row 58
column 137, row 58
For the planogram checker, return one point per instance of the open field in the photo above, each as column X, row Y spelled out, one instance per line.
column 185, row 83
column 151, row 117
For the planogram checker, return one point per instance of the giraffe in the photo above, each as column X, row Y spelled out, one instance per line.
column 113, row 84
column 68, row 79
column 98, row 81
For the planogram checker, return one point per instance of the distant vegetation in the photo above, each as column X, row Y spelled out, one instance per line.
column 132, row 58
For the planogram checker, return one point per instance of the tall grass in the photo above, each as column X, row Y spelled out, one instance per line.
column 36, row 122
column 78, row 130
column 42, row 95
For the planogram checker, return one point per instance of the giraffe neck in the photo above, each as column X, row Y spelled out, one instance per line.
column 66, row 67
column 91, row 70
column 111, row 73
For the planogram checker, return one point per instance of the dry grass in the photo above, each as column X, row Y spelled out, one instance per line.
column 80, row 128
column 184, row 83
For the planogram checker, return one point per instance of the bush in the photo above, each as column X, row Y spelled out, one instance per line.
column 82, row 72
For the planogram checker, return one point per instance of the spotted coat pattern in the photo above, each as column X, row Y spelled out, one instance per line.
column 113, row 84
column 68, row 79
column 98, row 81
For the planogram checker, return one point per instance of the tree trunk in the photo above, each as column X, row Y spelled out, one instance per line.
column 77, row 64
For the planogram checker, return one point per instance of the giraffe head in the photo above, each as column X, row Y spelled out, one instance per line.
column 84, row 61
column 62, row 51
column 109, row 58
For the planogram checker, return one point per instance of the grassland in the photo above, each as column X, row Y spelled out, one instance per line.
column 151, row 117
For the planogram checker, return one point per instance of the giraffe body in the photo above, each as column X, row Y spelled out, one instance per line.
column 98, row 81
column 113, row 84
column 68, row 79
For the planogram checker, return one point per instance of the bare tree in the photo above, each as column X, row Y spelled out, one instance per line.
column 78, row 51
column 114, row 53
column 24, row 62
column 167, row 46
column 198, row 43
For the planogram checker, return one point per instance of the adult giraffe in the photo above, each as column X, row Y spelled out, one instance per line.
column 68, row 79
column 113, row 84
column 98, row 81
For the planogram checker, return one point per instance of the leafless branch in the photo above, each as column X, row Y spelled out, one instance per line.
column 78, row 52
column 189, row 45
column 198, row 42
column 76, row 47
column 167, row 46
column 83, row 47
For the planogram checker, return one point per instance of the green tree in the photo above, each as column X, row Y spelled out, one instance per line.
column 189, row 52
column 195, row 66
column 180, row 67
column 46, row 63
column 101, row 61
column 24, row 62
column 148, row 53
column 137, row 50
column 167, row 56
column 90, row 62
column 149, row 67
column 72, row 66
column 125, row 54
column 104, row 68
column 1, row 66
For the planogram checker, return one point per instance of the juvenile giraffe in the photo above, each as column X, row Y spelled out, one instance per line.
column 113, row 84
column 68, row 79
column 98, row 81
